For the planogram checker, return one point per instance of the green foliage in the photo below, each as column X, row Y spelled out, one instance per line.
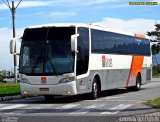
column 155, row 49
column 156, row 75
column 7, row 89
column 156, row 70
column 155, row 103
column 156, row 33
column 1, row 78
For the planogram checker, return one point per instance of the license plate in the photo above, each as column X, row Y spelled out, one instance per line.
column 44, row 89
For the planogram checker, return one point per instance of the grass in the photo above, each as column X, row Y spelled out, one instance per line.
column 156, row 75
column 155, row 103
column 8, row 89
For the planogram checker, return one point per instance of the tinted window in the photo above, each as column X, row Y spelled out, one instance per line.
column 102, row 42
column 108, row 42
column 142, row 46
column 83, row 51
column 97, row 41
column 47, row 51
column 35, row 34
column 121, row 44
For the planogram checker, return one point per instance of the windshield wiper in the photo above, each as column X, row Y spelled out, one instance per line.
column 52, row 65
column 35, row 65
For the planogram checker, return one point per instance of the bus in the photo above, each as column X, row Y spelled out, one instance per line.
column 76, row 58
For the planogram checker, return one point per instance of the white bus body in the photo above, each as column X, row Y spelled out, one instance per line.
column 105, row 58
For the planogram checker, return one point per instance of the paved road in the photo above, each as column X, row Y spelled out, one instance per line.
column 110, row 107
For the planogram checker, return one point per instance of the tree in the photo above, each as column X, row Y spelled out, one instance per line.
column 155, row 37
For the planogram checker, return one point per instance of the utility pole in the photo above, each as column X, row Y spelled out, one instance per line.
column 13, row 12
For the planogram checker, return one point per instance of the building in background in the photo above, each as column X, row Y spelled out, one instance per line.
column 6, row 73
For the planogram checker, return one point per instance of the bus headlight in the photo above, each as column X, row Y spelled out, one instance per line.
column 67, row 79
column 24, row 80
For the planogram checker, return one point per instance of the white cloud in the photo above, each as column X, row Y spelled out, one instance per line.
column 93, row 2
column 133, row 25
column 6, row 61
column 80, row 2
column 124, row 5
column 63, row 14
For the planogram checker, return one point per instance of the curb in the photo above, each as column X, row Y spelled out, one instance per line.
column 155, row 80
column 6, row 98
column 15, row 97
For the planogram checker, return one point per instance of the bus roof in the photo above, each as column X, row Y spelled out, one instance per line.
column 60, row 25
column 93, row 26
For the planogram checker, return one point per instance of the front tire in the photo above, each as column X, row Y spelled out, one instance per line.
column 95, row 89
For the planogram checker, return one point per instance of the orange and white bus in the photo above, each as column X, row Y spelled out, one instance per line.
column 71, row 59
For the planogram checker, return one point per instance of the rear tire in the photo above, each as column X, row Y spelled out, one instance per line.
column 137, row 87
column 95, row 89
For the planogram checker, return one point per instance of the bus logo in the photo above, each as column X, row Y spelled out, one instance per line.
column 103, row 58
column 43, row 80
column 106, row 62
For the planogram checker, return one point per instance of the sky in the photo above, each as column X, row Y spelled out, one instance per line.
column 114, row 13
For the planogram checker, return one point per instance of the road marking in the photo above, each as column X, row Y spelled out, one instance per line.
column 139, row 102
column 59, row 109
column 34, row 108
column 93, row 100
column 12, row 107
column 2, row 104
column 124, row 100
column 69, row 106
column 18, row 112
column 117, row 109
column 107, row 98
column 87, row 109
column 29, row 109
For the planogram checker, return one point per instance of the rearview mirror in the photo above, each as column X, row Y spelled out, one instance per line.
column 13, row 45
column 74, row 42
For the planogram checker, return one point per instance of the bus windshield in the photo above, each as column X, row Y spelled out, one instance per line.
column 47, row 51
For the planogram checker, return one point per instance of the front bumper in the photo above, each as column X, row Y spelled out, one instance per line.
column 59, row 89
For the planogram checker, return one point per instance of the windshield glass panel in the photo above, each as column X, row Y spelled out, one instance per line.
column 47, row 51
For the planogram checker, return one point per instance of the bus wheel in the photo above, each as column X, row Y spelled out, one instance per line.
column 49, row 98
column 137, row 87
column 95, row 89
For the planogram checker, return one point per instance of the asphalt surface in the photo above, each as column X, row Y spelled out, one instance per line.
column 111, row 106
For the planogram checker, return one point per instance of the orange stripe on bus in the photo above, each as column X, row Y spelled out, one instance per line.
column 136, row 66
column 140, row 35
